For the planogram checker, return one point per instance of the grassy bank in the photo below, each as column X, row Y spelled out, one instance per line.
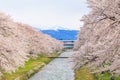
column 84, row 74
column 105, row 76
column 33, row 65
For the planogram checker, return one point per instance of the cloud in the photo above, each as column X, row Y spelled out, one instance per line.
column 46, row 13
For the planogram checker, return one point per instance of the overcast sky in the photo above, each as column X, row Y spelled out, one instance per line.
column 46, row 13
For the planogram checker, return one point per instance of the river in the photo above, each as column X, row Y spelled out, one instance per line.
column 58, row 69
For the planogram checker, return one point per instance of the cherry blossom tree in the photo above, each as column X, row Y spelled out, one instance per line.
column 98, row 42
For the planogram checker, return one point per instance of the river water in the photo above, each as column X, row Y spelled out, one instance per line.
column 58, row 69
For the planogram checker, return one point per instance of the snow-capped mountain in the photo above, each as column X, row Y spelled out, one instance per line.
column 58, row 28
column 59, row 32
column 62, row 34
column 52, row 28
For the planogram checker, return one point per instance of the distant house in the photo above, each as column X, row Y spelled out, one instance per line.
column 68, row 44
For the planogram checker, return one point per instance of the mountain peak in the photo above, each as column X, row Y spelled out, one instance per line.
column 58, row 28
column 62, row 34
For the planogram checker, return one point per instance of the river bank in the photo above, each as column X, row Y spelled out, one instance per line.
column 31, row 67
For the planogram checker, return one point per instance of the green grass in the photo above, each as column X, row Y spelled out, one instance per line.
column 105, row 76
column 29, row 65
column 84, row 74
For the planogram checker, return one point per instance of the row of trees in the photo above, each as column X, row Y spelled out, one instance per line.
column 18, row 42
column 98, row 42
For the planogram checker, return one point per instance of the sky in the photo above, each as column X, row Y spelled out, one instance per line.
column 46, row 14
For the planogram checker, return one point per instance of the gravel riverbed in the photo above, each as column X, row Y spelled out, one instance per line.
column 58, row 69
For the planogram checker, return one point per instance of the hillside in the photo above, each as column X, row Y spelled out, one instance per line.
column 19, row 42
column 98, row 43
column 62, row 34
